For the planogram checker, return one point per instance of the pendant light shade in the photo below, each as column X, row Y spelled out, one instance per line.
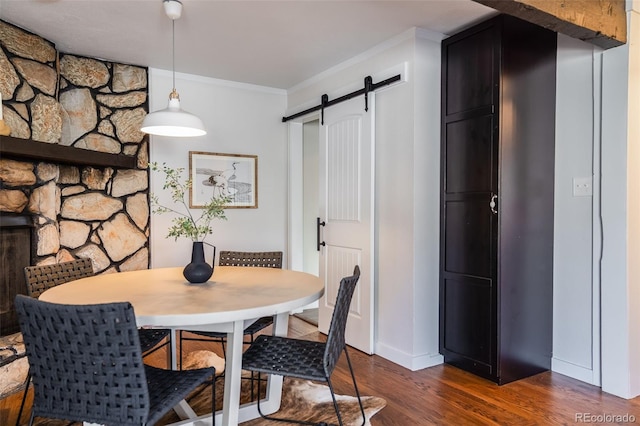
column 173, row 120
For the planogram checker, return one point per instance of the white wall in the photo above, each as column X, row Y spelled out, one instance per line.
column 621, row 215
column 633, row 197
column 598, row 101
column 407, row 188
column 240, row 119
column 310, row 160
column 426, row 209
column 576, row 135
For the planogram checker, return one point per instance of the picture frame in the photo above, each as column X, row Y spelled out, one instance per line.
column 216, row 174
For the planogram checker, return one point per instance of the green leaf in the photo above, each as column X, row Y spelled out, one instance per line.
column 185, row 224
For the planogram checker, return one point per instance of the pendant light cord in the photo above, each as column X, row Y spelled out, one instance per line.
column 173, row 51
column 172, row 121
column 174, row 92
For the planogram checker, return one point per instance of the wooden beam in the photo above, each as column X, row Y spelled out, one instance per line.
column 600, row 22
column 54, row 153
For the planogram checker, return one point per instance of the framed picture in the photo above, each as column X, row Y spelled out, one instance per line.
column 223, row 175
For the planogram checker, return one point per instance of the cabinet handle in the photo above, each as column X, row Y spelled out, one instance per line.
column 493, row 203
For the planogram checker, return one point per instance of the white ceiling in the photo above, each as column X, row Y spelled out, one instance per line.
column 270, row 43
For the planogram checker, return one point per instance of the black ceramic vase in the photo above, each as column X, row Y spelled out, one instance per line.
column 198, row 271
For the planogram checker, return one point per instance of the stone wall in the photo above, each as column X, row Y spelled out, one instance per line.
column 78, row 212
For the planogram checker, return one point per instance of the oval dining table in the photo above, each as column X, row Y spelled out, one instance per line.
column 232, row 299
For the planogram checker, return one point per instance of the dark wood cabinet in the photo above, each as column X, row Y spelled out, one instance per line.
column 497, row 177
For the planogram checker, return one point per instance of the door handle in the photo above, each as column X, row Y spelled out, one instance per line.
column 493, row 203
column 318, row 225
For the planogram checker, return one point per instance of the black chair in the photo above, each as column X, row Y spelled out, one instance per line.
column 307, row 359
column 265, row 259
column 86, row 364
column 43, row 277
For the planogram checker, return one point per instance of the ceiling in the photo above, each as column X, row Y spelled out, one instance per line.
column 276, row 44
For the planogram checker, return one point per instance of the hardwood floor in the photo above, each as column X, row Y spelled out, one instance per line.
column 444, row 395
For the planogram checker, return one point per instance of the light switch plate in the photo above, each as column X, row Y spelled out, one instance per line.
column 582, row 186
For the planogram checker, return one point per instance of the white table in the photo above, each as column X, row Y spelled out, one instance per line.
column 233, row 298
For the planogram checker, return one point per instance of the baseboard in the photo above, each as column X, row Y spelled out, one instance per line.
column 308, row 315
column 574, row 371
column 409, row 361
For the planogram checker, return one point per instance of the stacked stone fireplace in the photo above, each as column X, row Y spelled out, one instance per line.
column 74, row 211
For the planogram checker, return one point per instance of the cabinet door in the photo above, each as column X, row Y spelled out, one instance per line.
column 468, row 224
column 469, row 73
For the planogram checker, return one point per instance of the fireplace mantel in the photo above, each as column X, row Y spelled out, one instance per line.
column 53, row 153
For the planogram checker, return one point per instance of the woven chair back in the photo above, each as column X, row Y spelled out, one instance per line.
column 335, row 338
column 85, row 361
column 43, row 277
column 264, row 259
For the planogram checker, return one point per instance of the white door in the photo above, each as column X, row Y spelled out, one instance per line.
column 346, row 178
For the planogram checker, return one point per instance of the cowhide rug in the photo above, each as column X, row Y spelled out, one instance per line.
column 311, row 401
column 301, row 399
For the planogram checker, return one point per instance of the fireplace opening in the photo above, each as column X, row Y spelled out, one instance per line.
column 15, row 254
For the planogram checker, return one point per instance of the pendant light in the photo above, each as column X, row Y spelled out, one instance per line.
column 173, row 120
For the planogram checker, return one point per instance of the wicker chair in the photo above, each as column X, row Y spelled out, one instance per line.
column 43, row 277
column 101, row 377
column 307, row 359
column 265, row 259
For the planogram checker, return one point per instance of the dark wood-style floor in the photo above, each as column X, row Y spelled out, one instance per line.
column 444, row 395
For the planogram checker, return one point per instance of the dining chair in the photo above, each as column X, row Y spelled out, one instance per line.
column 306, row 359
column 43, row 277
column 265, row 259
column 100, row 378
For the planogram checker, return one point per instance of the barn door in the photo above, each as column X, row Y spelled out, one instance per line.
column 346, row 179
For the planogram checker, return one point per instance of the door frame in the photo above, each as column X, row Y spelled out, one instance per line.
column 295, row 206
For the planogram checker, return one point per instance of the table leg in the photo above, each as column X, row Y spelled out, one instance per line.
column 281, row 324
column 232, row 414
column 174, row 350
column 183, row 409
column 233, row 375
